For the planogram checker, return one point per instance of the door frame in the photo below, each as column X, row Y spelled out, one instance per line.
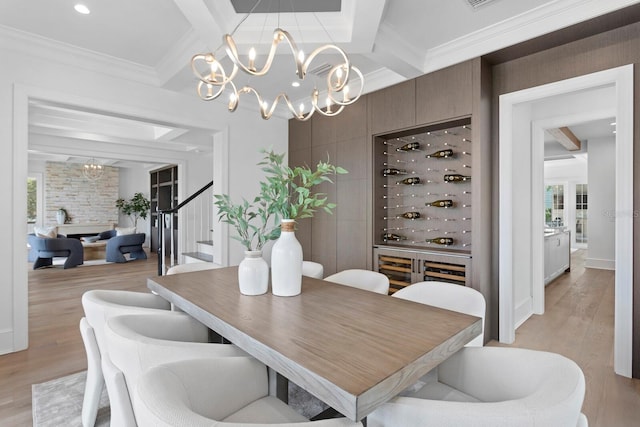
column 622, row 80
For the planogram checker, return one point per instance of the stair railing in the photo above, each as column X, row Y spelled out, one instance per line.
column 162, row 260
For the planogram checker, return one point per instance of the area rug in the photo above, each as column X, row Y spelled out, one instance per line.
column 58, row 402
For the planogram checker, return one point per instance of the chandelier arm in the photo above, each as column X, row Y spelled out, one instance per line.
column 351, row 100
column 278, row 36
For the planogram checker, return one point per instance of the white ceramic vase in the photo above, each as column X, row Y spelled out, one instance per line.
column 253, row 274
column 61, row 217
column 286, row 262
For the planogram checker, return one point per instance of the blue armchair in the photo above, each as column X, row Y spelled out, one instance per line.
column 117, row 246
column 44, row 249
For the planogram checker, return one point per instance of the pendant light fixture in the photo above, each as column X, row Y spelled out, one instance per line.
column 214, row 79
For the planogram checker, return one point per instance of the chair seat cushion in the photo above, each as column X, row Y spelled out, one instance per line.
column 267, row 410
column 438, row 391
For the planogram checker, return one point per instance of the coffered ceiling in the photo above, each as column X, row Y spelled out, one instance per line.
column 152, row 41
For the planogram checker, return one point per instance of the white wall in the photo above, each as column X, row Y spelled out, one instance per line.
column 132, row 181
column 24, row 76
column 601, row 204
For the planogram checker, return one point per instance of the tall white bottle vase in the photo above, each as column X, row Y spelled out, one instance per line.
column 253, row 274
column 286, row 262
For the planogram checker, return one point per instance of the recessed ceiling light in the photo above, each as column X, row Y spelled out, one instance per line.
column 295, row 84
column 80, row 8
column 613, row 124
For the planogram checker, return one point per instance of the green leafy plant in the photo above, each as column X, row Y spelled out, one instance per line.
column 286, row 193
column 251, row 221
column 136, row 207
column 289, row 191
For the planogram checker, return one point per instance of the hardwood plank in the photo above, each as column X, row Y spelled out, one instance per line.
column 578, row 323
column 55, row 346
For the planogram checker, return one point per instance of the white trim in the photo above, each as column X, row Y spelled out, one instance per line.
column 544, row 19
column 220, row 186
column 622, row 78
column 21, row 96
column 602, row 264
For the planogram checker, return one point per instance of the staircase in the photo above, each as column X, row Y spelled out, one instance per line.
column 203, row 253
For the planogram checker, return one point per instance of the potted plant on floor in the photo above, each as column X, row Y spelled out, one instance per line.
column 136, row 207
column 289, row 193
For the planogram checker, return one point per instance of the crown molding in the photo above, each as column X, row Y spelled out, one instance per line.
column 541, row 20
column 47, row 49
column 179, row 57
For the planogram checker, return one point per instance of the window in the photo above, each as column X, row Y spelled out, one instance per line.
column 32, row 200
column 554, row 205
column 581, row 213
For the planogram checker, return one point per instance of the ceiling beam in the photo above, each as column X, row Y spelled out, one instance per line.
column 565, row 137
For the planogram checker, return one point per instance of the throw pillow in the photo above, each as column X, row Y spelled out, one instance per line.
column 123, row 231
column 46, row 232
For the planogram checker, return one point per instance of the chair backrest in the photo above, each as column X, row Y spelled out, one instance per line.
column 362, row 279
column 512, row 386
column 449, row 296
column 158, row 338
column 312, row 269
column 196, row 392
column 100, row 304
column 192, row 266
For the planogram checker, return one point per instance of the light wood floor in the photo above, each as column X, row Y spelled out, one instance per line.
column 55, row 345
column 578, row 323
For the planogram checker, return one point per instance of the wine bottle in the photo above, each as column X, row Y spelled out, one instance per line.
column 392, row 237
column 411, row 215
column 456, row 177
column 411, row 146
column 442, row 154
column 410, row 181
column 393, row 171
column 441, row 241
column 447, row 203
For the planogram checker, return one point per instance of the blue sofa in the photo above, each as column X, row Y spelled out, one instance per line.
column 44, row 249
column 117, row 246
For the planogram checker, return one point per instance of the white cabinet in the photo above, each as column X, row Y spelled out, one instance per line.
column 557, row 254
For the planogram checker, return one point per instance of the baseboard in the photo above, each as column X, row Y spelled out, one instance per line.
column 522, row 312
column 602, row 264
column 6, row 342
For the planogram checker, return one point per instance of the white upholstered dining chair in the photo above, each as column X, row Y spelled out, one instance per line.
column 493, row 387
column 192, row 266
column 449, row 296
column 230, row 391
column 98, row 305
column 362, row 279
column 312, row 269
column 154, row 339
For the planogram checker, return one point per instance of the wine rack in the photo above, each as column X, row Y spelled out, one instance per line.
column 404, row 267
column 422, row 196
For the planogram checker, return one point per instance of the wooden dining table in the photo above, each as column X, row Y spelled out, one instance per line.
column 352, row 349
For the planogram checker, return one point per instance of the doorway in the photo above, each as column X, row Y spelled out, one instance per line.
column 521, row 260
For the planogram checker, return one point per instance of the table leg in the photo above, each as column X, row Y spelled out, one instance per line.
column 278, row 386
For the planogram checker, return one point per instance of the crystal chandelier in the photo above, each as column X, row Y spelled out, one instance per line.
column 214, row 78
column 92, row 170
